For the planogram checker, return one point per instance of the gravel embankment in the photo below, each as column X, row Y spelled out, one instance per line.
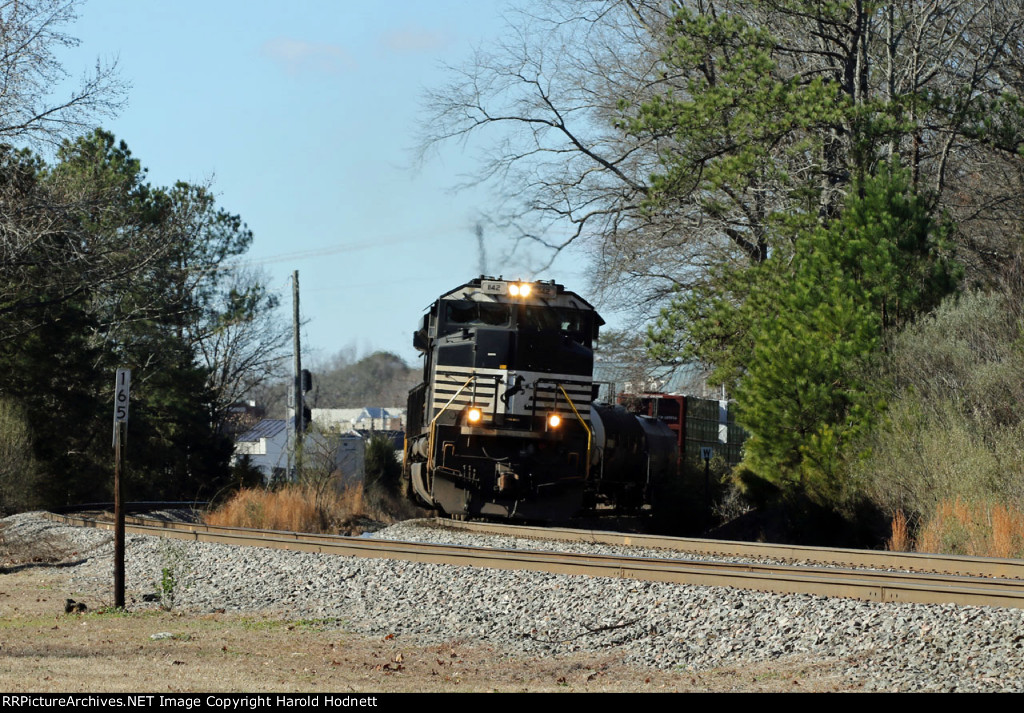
column 904, row 647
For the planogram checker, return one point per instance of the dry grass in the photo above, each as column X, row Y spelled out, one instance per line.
column 900, row 540
column 296, row 508
column 1007, row 531
column 973, row 528
column 306, row 508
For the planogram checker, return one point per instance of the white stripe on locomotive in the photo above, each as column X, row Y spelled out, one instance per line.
column 483, row 391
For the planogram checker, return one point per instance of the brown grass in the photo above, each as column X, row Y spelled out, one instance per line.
column 973, row 528
column 900, row 540
column 306, row 508
column 296, row 508
column 1007, row 531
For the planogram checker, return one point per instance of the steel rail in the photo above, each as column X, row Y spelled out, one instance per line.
column 966, row 565
column 791, row 579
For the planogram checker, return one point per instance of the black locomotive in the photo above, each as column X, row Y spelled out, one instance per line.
column 504, row 423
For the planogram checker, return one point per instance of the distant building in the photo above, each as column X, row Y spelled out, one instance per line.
column 368, row 418
column 350, row 457
column 266, row 446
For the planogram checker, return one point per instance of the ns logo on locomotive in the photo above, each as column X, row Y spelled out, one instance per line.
column 505, row 422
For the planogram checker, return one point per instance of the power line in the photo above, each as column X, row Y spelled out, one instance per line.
column 312, row 253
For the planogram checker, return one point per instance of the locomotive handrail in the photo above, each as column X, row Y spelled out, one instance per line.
column 558, row 385
column 433, row 422
column 585, row 427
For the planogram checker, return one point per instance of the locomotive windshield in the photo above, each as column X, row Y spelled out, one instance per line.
column 467, row 313
column 574, row 322
column 509, row 335
column 554, row 340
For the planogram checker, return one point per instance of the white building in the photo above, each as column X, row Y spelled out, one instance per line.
column 368, row 418
column 268, row 447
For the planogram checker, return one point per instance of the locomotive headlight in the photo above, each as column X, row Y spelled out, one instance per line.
column 474, row 415
column 524, row 290
column 554, row 420
column 521, row 289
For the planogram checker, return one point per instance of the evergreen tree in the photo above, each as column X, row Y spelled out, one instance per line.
column 739, row 130
column 800, row 343
column 103, row 270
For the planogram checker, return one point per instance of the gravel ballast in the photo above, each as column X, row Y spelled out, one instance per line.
column 901, row 647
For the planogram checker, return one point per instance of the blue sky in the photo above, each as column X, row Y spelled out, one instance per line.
column 303, row 116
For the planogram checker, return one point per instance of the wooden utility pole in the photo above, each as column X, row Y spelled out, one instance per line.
column 122, row 390
column 119, row 431
column 300, row 426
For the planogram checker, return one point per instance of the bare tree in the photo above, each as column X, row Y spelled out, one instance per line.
column 936, row 82
column 378, row 379
column 550, row 109
column 46, row 259
column 540, row 108
column 244, row 345
column 31, row 110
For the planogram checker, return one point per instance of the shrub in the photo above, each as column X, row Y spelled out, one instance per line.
column 899, row 541
column 954, row 427
column 688, row 504
column 310, row 507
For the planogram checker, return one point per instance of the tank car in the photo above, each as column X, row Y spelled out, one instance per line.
column 503, row 424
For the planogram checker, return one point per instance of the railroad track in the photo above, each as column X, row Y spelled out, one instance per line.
column 829, row 556
column 1004, row 590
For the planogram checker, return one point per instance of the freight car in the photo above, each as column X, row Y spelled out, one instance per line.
column 699, row 425
column 504, row 424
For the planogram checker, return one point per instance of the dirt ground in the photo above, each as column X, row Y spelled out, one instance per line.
column 43, row 649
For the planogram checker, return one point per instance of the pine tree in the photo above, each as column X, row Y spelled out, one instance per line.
column 804, row 393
